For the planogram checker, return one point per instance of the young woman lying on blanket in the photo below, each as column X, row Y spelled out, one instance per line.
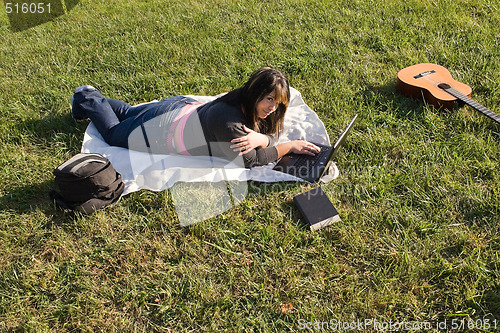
column 244, row 122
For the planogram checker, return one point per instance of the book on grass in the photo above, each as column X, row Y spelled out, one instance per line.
column 316, row 208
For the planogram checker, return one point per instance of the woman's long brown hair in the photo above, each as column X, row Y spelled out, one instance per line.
column 260, row 84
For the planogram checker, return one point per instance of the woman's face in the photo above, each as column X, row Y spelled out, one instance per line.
column 266, row 106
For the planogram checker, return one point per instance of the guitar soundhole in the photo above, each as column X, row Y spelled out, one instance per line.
column 444, row 86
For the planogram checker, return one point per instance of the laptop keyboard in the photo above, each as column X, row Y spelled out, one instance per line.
column 308, row 160
column 311, row 167
column 303, row 165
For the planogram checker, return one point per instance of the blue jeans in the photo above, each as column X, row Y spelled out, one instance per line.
column 116, row 120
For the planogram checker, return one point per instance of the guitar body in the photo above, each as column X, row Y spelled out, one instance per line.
column 422, row 80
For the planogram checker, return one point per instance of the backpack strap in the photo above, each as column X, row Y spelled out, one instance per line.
column 59, row 201
column 91, row 205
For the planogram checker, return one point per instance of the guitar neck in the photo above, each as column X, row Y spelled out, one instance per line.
column 467, row 100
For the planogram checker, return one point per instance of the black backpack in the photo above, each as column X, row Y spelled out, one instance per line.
column 86, row 182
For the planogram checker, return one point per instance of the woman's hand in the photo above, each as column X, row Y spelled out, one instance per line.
column 250, row 141
column 297, row 147
column 304, row 147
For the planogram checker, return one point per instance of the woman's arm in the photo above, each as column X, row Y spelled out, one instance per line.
column 253, row 140
column 250, row 141
column 263, row 156
column 297, row 147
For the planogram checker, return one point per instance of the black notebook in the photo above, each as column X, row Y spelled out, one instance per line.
column 316, row 208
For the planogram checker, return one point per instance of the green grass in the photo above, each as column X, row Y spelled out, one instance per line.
column 418, row 192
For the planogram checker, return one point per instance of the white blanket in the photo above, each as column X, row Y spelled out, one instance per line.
column 141, row 170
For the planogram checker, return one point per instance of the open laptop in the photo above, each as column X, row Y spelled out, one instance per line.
column 312, row 168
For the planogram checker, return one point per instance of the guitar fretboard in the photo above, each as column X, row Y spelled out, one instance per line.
column 464, row 98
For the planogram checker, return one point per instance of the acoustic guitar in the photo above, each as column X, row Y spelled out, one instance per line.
column 435, row 85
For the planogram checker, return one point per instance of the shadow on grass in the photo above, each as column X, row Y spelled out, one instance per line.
column 25, row 15
column 25, row 198
column 476, row 213
column 51, row 135
column 487, row 306
column 270, row 190
column 387, row 99
column 53, row 131
column 491, row 303
column 55, row 135
column 30, row 197
column 33, row 198
column 296, row 217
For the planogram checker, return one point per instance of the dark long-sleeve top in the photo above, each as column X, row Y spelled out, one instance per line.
column 222, row 122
